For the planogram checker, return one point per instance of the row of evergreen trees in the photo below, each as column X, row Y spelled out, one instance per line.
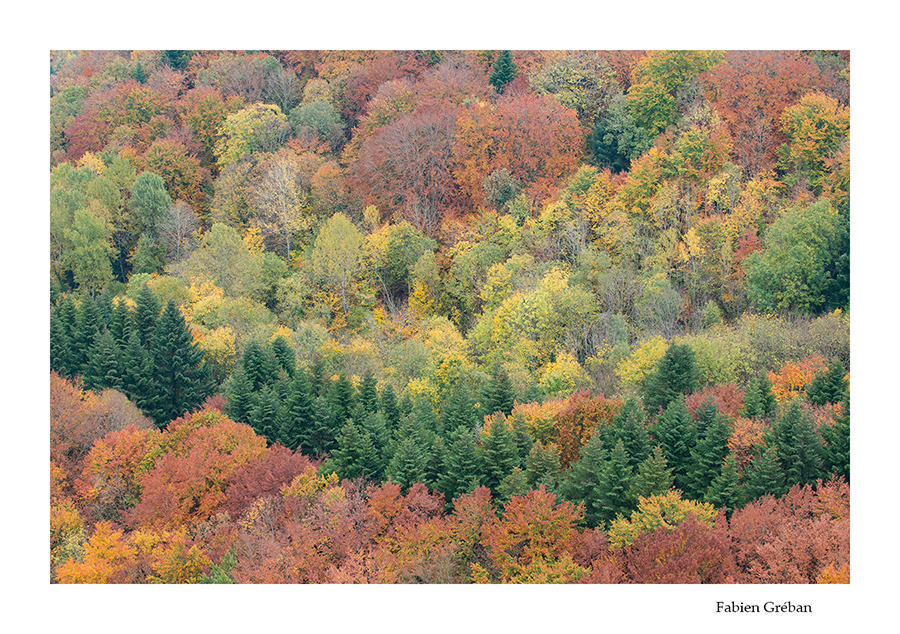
column 145, row 352
column 362, row 432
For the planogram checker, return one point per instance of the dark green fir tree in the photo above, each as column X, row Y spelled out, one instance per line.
column 504, row 70
column 674, row 431
column 653, row 476
column 180, row 374
column 838, row 438
column 499, row 453
column 146, row 314
column 103, row 369
column 829, row 386
column 724, row 492
column 676, row 375
column 764, row 476
column 284, row 355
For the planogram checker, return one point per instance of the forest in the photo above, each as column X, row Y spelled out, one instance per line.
column 449, row 316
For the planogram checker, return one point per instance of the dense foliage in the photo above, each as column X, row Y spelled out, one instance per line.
column 449, row 316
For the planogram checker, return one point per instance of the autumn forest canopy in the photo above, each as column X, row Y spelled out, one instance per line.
column 449, row 316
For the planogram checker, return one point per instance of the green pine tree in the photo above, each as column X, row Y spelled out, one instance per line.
column 259, row 365
column 628, row 426
column 828, row 386
column 499, row 453
column 267, row 416
column 725, row 489
column 298, row 424
column 764, row 476
column 60, row 345
column 515, row 483
column 583, row 480
column 137, row 373
column 355, row 454
column 434, row 466
column 341, row 399
column 88, row 327
column 321, row 438
column 674, row 432
column 368, row 394
column 284, row 355
column 504, row 70
column 390, row 407
column 676, row 375
column 709, row 452
column 838, row 439
column 408, row 464
column 65, row 316
column 653, row 476
column 239, row 396
column 146, row 315
column 103, row 368
column 458, row 410
column 461, row 465
column 180, row 374
column 121, row 323
column 613, row 491
column 759, row 401
column 542, row 466
column 800, row 448
column 498, row 394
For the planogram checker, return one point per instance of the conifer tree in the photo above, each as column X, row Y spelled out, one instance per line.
column 180, row 374
column 368, row 394
column 709, row 452
column 146, row 315
column 516, row 483
column 800, row 448
column 542, row 466
column 103, row 368
column 653, row 476
column 676, row 375
column 725, row 490
column 499, row 453
column 282, row 384
column 65, row 316
column 461, row 465
column 458, row 410
column 284, row 355
column 828, row 386
column 137, row 373
column 581, row 485
column 355, row 452
column 498, row 394
column 121, row 323
column 341, row 399
column 838, row 438
column 613, row 492
column 104, row 308
column 325, row 428
column 434, row 466
column 60, row 345
column 504, row 70
column 239, row 397
column 759, row 401
column 267, row 415
column 523, row 437
column 674, row 432
column 390, row 407
column 88, row 327
column 408, row 464
column 297, row 426
column 765, row 476
column 628, row 426
column 259, row 365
